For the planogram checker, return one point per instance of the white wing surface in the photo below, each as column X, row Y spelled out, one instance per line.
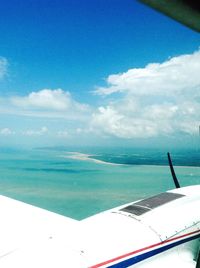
column 34, row 237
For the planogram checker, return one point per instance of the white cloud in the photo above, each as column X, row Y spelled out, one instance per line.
column 177, row 75
column 6, row 132
column 46, row 103
column 48, row 99
column 33, row 132
column 63, row 134
column 111, row 121
column 160, row 99
column 3, row 67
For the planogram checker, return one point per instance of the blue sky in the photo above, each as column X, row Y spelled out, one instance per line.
column 95, row 72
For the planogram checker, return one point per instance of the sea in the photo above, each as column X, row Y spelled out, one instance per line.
column 80, row 182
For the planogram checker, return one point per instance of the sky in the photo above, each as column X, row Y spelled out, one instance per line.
column 96, row 72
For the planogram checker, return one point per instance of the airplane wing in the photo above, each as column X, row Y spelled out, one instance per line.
column 159, row 231
column 34, row 237
column 156, row 232
column 186, row 12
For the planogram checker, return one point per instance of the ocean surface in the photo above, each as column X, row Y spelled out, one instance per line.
column 81, row 182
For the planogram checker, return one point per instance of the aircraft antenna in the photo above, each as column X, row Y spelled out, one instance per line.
column 198, row 261
column 176, row 182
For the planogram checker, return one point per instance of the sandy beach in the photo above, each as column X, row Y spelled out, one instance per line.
column 87, row 157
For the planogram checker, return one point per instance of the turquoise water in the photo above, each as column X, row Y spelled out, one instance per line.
column 54, row 180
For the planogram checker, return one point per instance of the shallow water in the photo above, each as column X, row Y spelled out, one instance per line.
column 78, row 187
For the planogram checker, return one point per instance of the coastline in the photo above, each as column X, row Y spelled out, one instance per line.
column 88, row 157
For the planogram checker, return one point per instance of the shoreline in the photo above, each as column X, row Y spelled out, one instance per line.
column 88, row 157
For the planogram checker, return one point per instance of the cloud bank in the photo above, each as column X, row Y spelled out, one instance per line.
column 48, row 99
column 159, row 99
column 46, row 103
column 174, row 76
column 6, row 132
column 30, row 132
